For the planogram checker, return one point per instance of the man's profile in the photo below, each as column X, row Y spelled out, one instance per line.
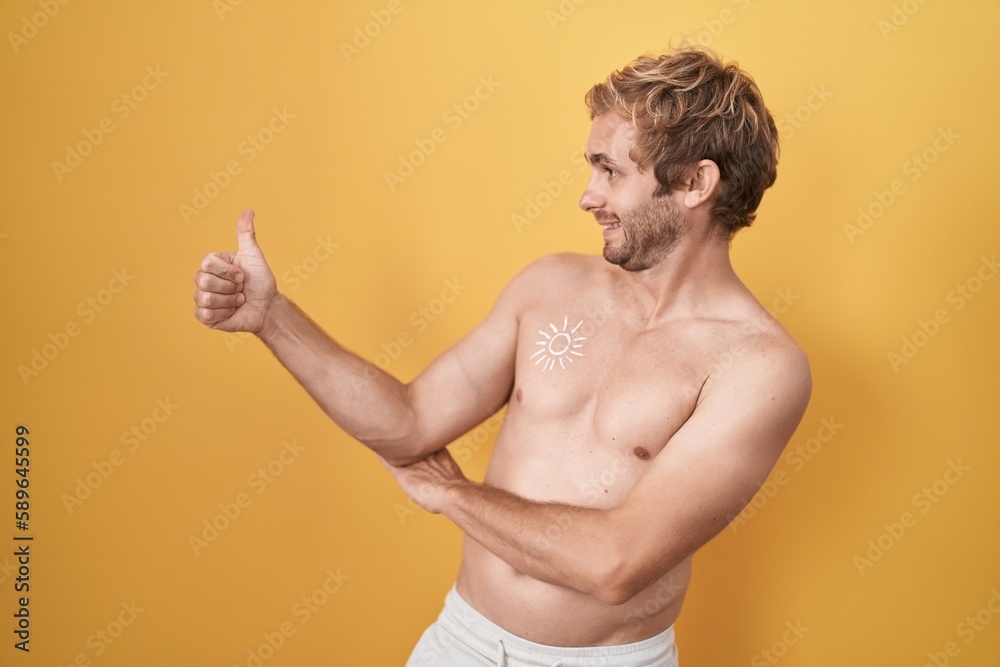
column 627, row 444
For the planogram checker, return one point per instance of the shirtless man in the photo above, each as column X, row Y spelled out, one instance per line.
column 648, row 392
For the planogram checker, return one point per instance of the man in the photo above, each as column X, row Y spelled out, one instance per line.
column 648, row 392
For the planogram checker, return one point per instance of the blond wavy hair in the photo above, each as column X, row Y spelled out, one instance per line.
column 688, row 105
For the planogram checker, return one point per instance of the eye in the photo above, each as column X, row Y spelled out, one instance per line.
column 611, row 172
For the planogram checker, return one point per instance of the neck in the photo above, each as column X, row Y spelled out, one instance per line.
column 692, row 281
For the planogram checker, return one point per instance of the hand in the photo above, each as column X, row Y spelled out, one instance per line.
column 235, row 290
column 427, row 481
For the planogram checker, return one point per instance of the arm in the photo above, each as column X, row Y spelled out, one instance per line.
column 401, row 422
column 705, row 475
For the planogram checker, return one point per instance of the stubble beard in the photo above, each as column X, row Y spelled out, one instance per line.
column 649, row 232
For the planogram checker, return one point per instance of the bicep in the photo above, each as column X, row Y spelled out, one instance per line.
column 473, row 378
column 715, row 463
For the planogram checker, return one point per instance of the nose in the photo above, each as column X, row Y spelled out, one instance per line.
column 592, row 198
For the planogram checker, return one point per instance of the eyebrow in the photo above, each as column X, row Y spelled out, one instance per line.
column 601, row 158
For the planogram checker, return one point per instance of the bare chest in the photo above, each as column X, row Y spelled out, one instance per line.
column 595, row 400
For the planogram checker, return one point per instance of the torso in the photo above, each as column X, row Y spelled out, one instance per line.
column 591, row 407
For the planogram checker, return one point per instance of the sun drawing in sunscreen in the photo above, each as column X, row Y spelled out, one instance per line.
column 558, row 347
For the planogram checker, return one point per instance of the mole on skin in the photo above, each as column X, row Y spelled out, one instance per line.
column 519, row 394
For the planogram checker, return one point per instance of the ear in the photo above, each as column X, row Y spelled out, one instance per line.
column 702, row 183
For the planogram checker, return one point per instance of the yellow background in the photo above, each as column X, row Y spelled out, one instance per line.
column 849, row 299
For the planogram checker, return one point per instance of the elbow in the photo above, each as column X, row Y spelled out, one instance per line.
column 629, row 576
column 398, row 452
column 403, row 450
column 400, row 459
column 614, row 597
column 409, row 442
column 397, row 440
column 615, row 592
column 615, row 581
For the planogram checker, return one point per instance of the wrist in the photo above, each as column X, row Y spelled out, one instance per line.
column 271, row 320
column 455, row 494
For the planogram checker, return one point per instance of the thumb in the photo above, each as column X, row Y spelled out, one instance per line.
column 246, row 237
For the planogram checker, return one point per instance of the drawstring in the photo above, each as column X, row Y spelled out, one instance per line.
column 502, row 656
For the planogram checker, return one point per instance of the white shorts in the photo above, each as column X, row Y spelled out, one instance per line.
column 462, row 637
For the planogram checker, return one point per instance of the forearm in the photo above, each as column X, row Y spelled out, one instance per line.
column 560, row 544
column 369, row 404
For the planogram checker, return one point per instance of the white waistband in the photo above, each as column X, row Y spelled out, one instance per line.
column 488, row 638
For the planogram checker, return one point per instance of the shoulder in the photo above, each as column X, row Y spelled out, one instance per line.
column 560, row 263
column 762, row 357
column 556, row 271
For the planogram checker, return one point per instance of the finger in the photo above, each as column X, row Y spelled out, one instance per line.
column 212, row 316
column 213, row 300
column 393, row 470
column 443, row 457
column 219, row 264
column 246, row 236
column 209, row 282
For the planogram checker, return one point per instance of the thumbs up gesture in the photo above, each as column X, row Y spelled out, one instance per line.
column 235, row 291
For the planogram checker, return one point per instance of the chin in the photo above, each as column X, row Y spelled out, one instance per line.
column 626, row 262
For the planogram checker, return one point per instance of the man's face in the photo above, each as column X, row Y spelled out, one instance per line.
column 640, row 230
